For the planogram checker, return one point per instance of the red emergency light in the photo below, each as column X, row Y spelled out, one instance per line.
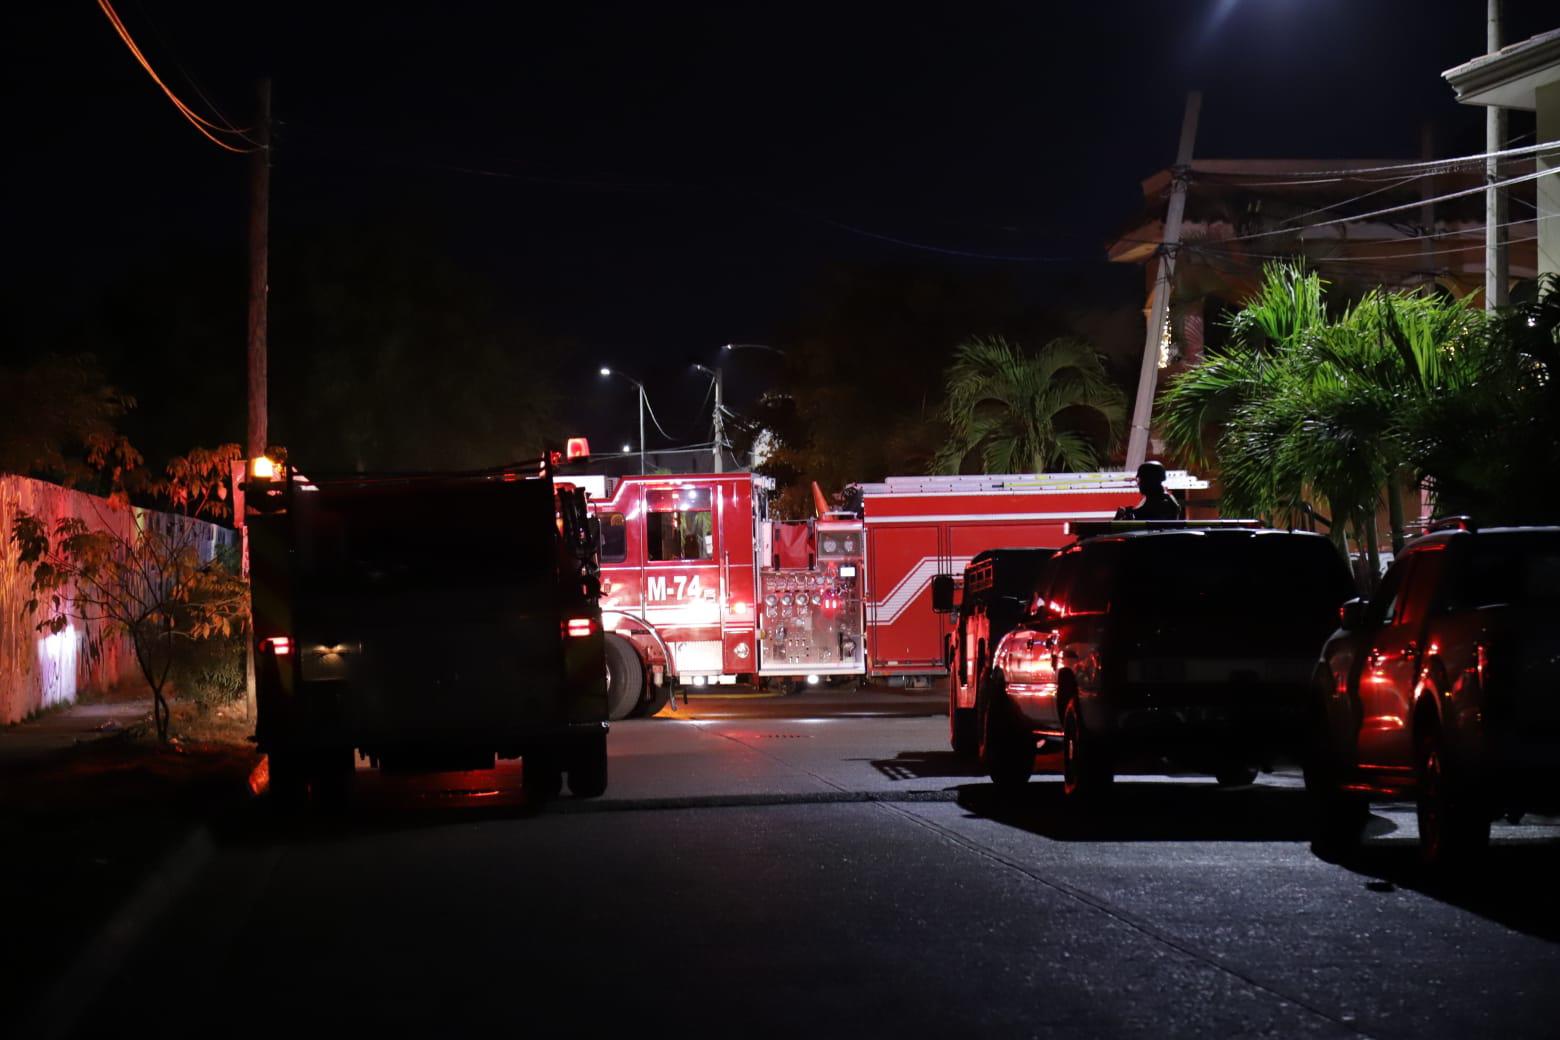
column 579, row 627
column 577, row 448
column 281, row 646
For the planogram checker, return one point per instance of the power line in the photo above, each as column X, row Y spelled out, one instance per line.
column 205, row 126
column 189, row 78
column 1428, row 165
column 1475, row 229
column 1356, row 218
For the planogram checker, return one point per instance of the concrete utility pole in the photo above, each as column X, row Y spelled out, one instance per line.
column 1148, row 375
column 1495, row 259
column 257, row 434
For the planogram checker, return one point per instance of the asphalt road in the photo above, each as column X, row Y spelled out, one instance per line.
column 822, row 865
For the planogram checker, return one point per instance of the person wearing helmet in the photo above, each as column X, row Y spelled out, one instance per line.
column 1157, row 504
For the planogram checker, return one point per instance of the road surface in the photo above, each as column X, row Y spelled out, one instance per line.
column 823, row 865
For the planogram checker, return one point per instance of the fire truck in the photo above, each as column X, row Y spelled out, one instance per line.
column 701, row 587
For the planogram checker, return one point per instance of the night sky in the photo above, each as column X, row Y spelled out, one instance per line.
column 649, row 181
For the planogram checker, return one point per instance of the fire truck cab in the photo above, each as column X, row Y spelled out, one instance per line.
column 699, row 587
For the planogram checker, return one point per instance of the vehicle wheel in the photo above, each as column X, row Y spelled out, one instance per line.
column 1007, row 751
column 1235, row 776
column 625, row 677
column 541, row 778
column 1338, row 816
column 288, row 785
column 1086, row 768
column 1452, row 827
column 588, row 768
column 654, row 700
column 332, row 776
column 963, row 736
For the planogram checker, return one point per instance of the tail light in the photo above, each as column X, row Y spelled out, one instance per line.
column 579, row 627
column 1481, row 661
column 280, row 646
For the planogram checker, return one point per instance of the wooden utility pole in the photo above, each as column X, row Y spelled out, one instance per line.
column 257, row 432
column 257, row 435
column 1148, row 374
column 1495, row 261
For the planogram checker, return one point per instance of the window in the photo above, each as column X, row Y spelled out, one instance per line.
column 678, row 524
column 1520, row 569
column 1090, row 592
column 1391, row 585
column 614, row 538
column 1420, row 587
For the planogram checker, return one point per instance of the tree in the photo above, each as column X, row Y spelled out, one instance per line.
column 140, row 573
column 1018, row 412
column 59, row 420
column 1300, row 403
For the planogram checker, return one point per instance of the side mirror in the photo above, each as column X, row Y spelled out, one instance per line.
column 1351, row 616
column 942, row 594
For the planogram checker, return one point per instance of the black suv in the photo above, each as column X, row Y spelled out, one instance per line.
column 1445, row 686
column 997, row 588
column 1193, row 643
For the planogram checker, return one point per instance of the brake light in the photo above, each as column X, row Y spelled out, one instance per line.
column 579, row 627
column 281, row 646
column 1481, row 661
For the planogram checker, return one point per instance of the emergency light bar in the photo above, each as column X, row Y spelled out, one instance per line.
column 1094, row 528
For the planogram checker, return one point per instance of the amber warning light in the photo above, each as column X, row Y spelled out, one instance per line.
column 577, row 448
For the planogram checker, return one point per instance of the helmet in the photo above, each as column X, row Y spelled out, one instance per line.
column 1152, row 473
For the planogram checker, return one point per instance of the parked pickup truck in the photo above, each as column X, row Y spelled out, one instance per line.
column 430, row 622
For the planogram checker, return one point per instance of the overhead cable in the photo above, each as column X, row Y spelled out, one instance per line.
column 1356, row 218
column 199, row 122
column 1307, row 176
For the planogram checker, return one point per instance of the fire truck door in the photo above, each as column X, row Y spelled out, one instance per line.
column 905, row 636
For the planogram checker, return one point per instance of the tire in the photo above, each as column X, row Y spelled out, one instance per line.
column 1235, row 776
column 541, row 779
column 588, row 768
column 625, row 677
column 332, row 776
column 1006, row 750
column 1086, row 767
column 288, row 785
column 1338, row 816
column 1453, row 829
column 963, row 736
column 656, row 698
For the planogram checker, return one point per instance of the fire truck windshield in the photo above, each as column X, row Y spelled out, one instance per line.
column 677, row 524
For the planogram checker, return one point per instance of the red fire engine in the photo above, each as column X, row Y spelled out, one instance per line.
column 700, row 587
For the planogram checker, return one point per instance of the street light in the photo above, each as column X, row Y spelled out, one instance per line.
column 720, row 419
column 605, row 371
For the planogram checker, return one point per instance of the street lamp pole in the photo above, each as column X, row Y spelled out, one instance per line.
column 641, row 388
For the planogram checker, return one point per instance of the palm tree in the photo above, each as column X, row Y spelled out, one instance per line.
column 1299, row 403
column 1021, row 412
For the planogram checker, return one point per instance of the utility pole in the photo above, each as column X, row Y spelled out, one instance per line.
column 720, row 426
column 256, row 432
column 1148, row 374
column 257, row 435
column 1495, row 260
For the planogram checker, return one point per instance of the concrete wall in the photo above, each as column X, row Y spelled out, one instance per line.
column 1548, row 105
column 38, row 670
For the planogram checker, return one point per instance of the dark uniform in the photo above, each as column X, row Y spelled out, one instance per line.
column 1157, row 504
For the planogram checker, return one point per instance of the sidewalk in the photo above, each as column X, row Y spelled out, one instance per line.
column 37, row 740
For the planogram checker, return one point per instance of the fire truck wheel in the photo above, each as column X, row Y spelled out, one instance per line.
column 655, row 699
column 588, row 768
column 625, row 677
